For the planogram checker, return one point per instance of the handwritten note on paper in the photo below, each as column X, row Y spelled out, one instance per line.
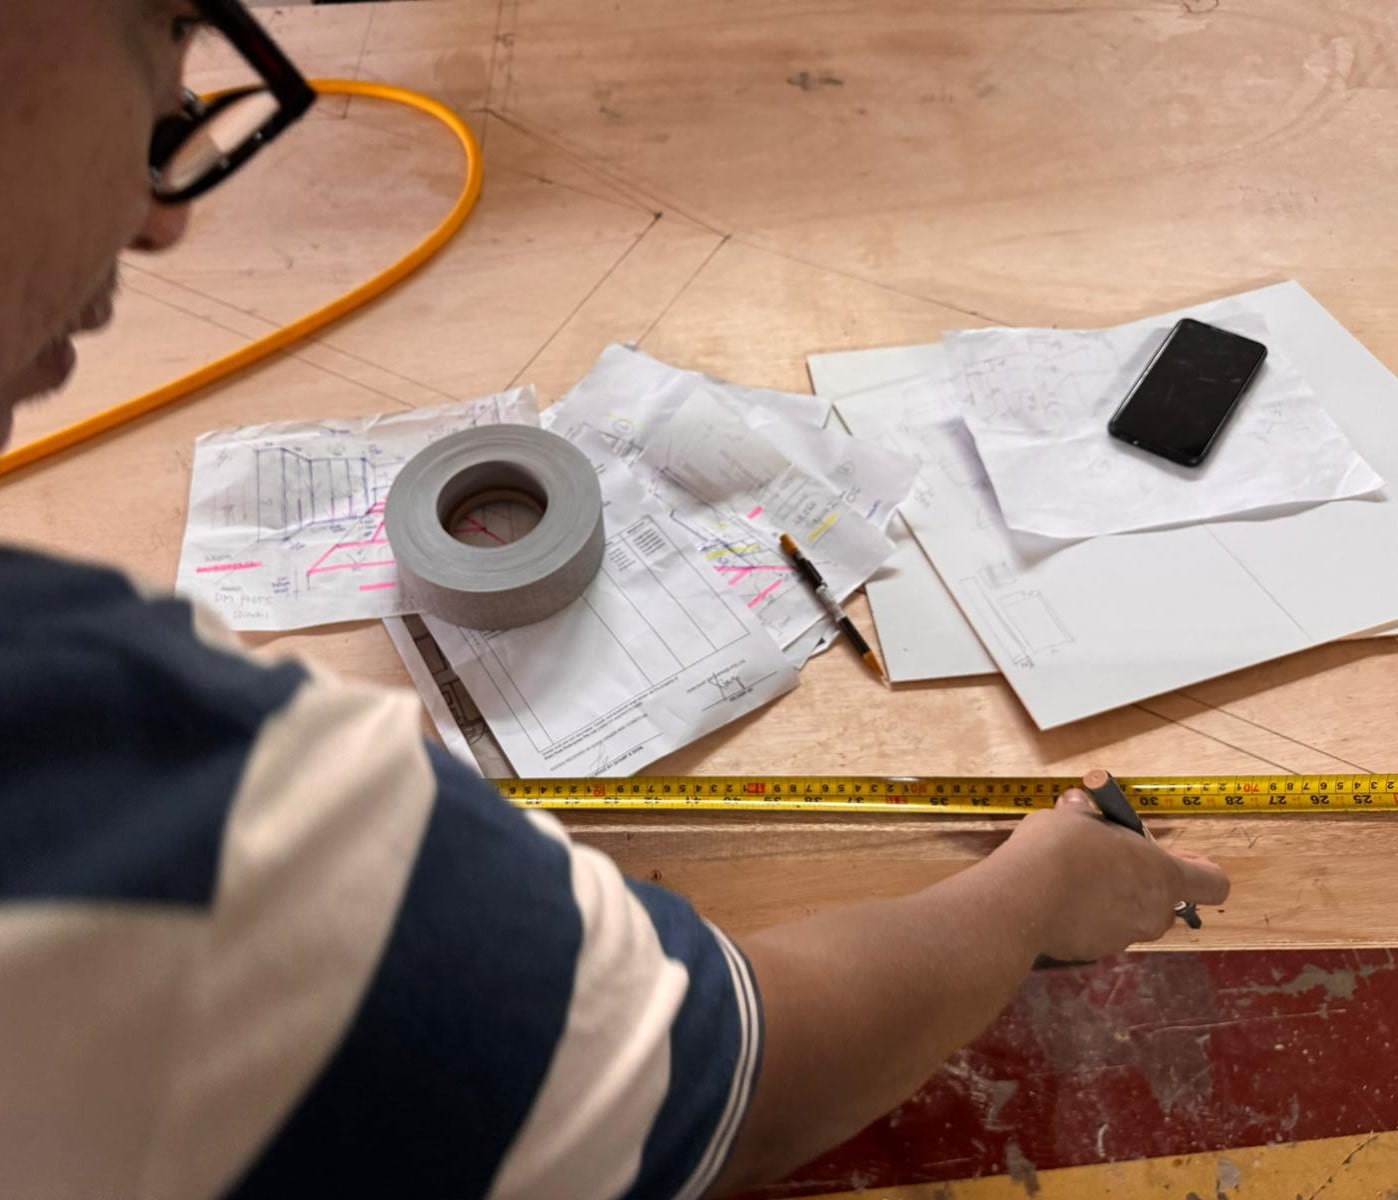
column 872, row 479
column 1069, row 645
column 707, row 461
column 628, row 395
column 631, row 400
column 286, row 525
column 1037, row 402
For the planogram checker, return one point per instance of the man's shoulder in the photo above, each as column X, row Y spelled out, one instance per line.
column 122, row 734
column 37, row 588
column 93, row 628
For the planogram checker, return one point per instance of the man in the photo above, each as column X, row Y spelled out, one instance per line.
column 256, row 939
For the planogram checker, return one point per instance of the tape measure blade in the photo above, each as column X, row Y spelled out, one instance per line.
column 988, row 796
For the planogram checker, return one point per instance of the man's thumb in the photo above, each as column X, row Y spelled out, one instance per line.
column 1079, row 800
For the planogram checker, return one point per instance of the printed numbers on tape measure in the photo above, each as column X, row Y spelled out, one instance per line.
column 1155, row 796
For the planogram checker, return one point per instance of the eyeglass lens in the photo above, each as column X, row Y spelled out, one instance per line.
column 219, row 137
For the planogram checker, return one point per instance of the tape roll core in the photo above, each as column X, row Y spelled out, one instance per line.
column 500, row 587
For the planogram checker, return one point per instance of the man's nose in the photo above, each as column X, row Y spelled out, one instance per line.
column 163, row 227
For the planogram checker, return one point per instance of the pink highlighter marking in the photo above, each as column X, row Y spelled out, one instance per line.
column 738, row 574
column 377, row 540
column 353, row 566
column 219, row 567
column 745, row 569
column 476, row 527
column 756, row 512
column 763, row 594
column 375, row 587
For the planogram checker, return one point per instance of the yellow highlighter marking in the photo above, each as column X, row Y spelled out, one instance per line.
column 823, row 528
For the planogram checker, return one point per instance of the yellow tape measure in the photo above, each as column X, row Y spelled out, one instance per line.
column 986, row 796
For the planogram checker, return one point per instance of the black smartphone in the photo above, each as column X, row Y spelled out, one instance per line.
column 1187, row 392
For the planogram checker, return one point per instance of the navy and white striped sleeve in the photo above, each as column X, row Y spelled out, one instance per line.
column 257, row 939
column 536, row 1027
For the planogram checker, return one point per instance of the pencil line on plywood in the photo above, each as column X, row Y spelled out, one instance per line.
column 495, row 43
column 296, row 353
column 607, row 191
column 649, row 198
column 510, row 34
column 592, row 291
column 1275, row 733
column 364, row 45
column 682, row 289
column 450, row 397
column 766, row 247
column 1213, row 737
column 369, row 387
column 282, row 355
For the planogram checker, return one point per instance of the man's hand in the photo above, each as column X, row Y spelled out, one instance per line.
column 862, row 1003
column 1102, row 887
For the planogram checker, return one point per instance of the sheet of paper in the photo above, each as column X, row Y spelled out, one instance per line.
column 1037, row 401
column 845, row 372
column 630, row 399
column 921, row 630
column 922, row 633
column 872, row 480
column 286, row 520
column 457, row 719
column 1105, row 622
column 816, row 640
column 653, row 655
column 628, row 395
column 706, row 452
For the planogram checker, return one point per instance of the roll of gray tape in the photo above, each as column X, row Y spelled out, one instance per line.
column 504, row 586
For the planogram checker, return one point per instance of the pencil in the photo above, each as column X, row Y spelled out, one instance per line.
column 823, row 593
column 1112, row 803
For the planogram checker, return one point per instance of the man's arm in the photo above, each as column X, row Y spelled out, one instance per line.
column 862, row 1003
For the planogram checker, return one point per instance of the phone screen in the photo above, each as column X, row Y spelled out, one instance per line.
column 1187, row 392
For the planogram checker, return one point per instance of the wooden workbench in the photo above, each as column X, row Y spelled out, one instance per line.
column 734, row 187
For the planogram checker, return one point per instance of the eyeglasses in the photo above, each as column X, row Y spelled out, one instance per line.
column 197, row 149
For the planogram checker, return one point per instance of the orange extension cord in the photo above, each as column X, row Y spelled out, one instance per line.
column 179, row 389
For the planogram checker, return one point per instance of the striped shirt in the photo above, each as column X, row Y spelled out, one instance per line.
column 257, row 939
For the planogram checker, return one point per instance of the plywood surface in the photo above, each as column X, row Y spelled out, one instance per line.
column 733, row 188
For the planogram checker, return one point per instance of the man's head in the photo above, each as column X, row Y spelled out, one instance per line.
column 86, row 82
column 94, row 124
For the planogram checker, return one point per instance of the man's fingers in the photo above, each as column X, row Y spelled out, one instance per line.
column 1079, row 800
column 1202, row 882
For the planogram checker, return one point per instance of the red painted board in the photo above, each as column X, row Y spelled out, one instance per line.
column 1143, row 1056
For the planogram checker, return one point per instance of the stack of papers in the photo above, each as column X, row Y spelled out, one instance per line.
column 286, row 526
column 1091, row 576
column 1037, row 403
column 978, row 496
column 652, row 656
column 696, row 617
column 737, row 467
